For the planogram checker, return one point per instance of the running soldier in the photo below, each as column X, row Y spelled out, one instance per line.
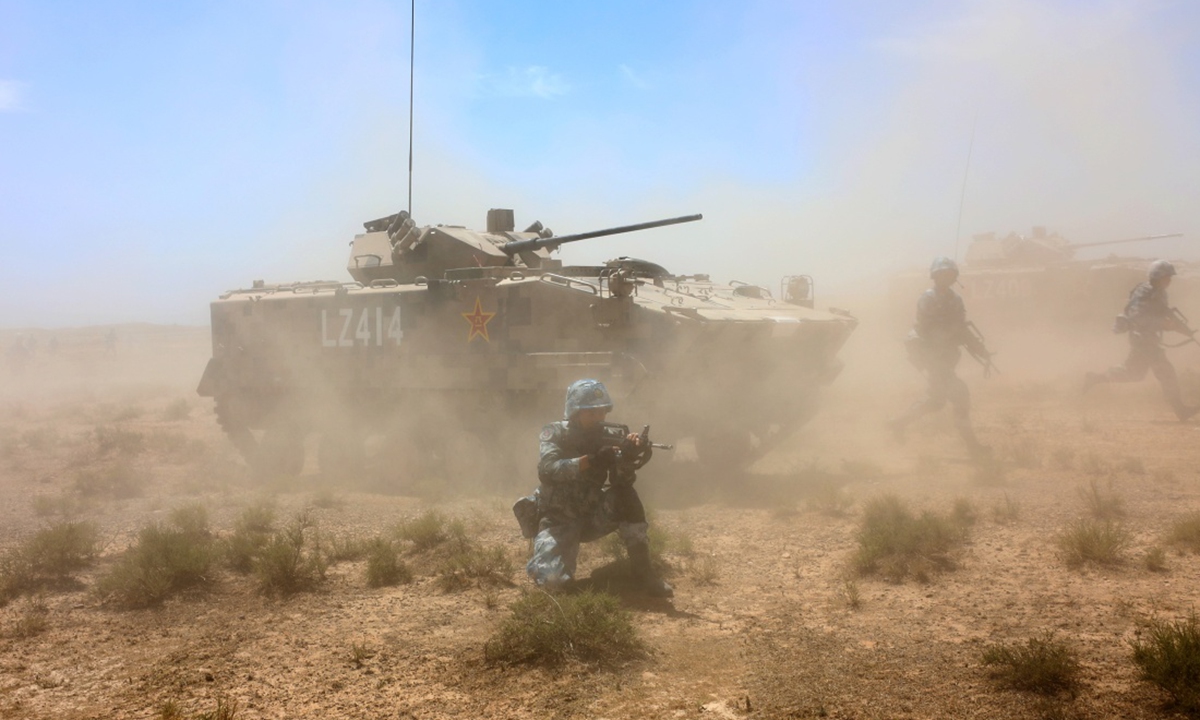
column 1148, row 314
column 933, row 347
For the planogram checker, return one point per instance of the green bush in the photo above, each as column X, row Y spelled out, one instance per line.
column 895, row 543
column 1169, row 656
column 1043, row 664
column 550, row 630
column 1092, row 541
column 167, row 559
column 291, row 561
column 384, row 566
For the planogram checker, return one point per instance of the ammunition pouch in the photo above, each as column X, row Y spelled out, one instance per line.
column 1121, row 325
column 528, row 517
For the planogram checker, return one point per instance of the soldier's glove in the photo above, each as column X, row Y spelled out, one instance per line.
column 603, row 459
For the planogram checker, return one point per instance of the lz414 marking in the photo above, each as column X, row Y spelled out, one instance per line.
column 348, row 327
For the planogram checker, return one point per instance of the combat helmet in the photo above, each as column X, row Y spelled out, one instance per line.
column 585, row 395
column 943, row 264
column 1160, row 269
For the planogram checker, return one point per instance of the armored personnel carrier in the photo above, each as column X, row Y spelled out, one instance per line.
column 456, row 344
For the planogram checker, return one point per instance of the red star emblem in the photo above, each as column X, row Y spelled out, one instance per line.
column 479, row 322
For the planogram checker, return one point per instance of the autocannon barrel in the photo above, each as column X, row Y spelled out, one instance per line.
column 1126, row 240
column 515, row 246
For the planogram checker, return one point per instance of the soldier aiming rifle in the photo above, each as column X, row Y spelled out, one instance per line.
column 587, row 469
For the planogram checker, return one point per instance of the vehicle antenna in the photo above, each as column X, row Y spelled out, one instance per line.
column 963, row 195
column 412, row 54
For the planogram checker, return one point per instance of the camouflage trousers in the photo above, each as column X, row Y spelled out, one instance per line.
column 944, row 385
column 556, row 546
column 1145, row 357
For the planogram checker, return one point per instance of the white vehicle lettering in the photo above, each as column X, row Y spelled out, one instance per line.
column 347, row 319
column 325, row 341
column 394, row 332
column 361, row 330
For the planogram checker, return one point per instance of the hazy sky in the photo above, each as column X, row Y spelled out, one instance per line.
column 155, row 154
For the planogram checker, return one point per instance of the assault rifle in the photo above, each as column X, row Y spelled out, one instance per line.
column 1184, row 327
column 629, row 455
column 976, row 347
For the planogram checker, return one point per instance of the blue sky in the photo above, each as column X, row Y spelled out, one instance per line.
column 153, row 155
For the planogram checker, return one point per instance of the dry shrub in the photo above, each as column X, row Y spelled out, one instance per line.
column 41, row 439
column 118, row 480
column 704, row 569
column 424, row 532
column 1043, row 664
column 118, row 441
column 33, row 621
column 1186, row 531
column 1062, row 458
column 830, row 498
column 251, row 531
column 49, row 558
column 1169, row 656
column 470, row 564
column 1023, row 452
column 384, row 565
column 225, row 710
column 1091, row 541
column 175, row 447
column 177, row 410
column 346, row 548
column 964, row 512
column 47, row 505
column 546, row 629
column 1103, row 504
column 291, row 561
column 326, row 499
column 1006, row 511
column 167, row 559
column 895, row 543
column 1155, row 560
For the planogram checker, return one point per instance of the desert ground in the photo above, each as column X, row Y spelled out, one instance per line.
column 769, row 618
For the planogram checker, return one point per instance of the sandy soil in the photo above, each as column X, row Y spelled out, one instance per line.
column 772, row 635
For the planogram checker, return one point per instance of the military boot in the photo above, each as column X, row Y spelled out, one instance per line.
column 643, row 573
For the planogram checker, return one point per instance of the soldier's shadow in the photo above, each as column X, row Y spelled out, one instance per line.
column 615, row 579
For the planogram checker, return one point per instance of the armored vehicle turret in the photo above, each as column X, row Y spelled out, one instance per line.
column 452, row 346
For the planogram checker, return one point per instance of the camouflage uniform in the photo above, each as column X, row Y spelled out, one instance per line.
column 933, row 345
column 577, row 506
column 1149, row 315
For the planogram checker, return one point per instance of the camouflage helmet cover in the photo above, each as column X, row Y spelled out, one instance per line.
column 585, row 395
column 1160, row 269
column 943, row 264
